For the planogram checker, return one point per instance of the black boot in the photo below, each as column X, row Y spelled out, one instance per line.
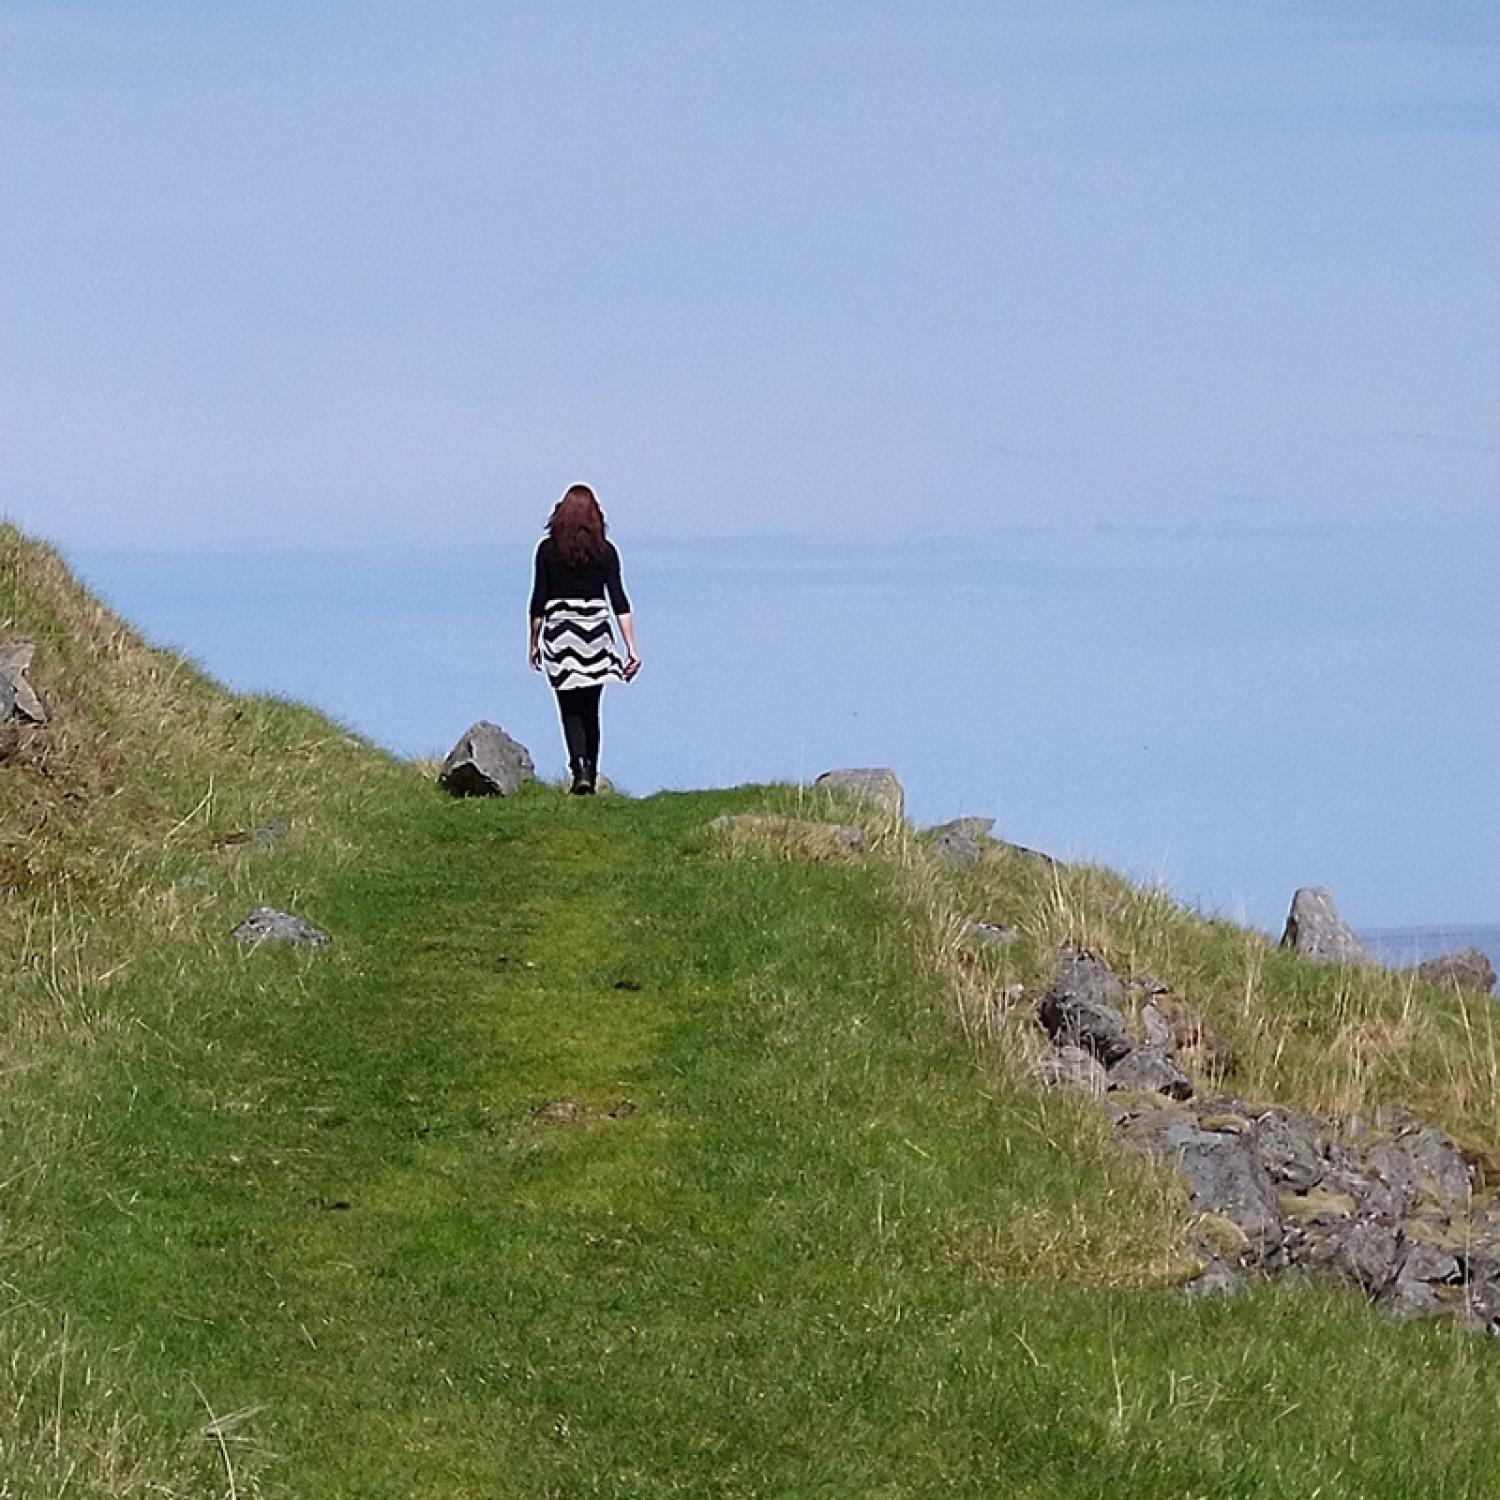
column 590, row 777
column 583, row 783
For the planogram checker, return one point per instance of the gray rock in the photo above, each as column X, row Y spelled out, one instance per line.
column 1362, row 1250
column 1415, row 1291
column 1424, row 1262
column 1020, row 851
column 1225, row 1178
column 1072, row 1067
column 1217, row 1279
column 1149, row 1070
column 1080, row 1008
column 486, row 762
column 1315, row 930
column 991, row 934
column 1421, row 1166
column 1470, row 969
column 18, row 700
column 957, row 849
column 877, row 784
column 1160, row 1032
column 267, row 925
column 1289, row 1149
column 978, row 829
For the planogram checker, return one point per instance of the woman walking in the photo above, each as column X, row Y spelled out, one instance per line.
column 577, row 581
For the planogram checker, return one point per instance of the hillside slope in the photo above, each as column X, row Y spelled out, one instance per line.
column 593, row 1159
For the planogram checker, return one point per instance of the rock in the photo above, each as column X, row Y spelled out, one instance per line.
column 1315, row 930
column 1289, row 1149
column 877, row 784
column 1470, row 969
column 1427, row 1283
column 1225, row 1178
column 1072, row 1067
column 991, row 934
column 801, row 837
column 486, row 762
column 1020, row 851
column 18, row 700
column 1080, row 1008
column 1436, row 1166
column 267, row 925
column 1171, row 1023
column 957, row 849
column 1217, row 1279
column 1149, row 1070
column 977, row 829
column 1361, row 1250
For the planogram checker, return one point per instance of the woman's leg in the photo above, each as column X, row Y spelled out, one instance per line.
column 591, row 729
column 575, row 733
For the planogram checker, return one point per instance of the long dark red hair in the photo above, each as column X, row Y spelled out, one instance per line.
column 576, row 526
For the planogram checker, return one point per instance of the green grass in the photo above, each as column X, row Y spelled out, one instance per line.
column 810, row 1239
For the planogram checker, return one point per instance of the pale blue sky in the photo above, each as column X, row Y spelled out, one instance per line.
column 1151, row 350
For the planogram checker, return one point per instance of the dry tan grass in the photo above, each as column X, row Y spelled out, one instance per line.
column 783, row 837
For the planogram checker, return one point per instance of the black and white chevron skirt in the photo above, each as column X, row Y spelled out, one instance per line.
column 578, row 644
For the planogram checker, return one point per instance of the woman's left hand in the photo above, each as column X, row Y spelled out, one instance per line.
column 632, row 666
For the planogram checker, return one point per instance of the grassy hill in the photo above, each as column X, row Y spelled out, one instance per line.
column 597, row 1159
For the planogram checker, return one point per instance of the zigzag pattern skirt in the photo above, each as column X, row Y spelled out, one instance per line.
column 578, row 644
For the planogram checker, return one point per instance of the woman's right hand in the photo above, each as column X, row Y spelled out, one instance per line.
column 534, row 657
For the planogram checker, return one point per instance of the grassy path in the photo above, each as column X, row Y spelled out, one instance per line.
column 318, row 1188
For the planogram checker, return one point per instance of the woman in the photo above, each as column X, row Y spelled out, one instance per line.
column 577, row 580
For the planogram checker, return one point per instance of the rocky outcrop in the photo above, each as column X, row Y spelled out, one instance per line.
column 1315, row 930
column 1389, row 1204
column 266, row 925
column 1470, row 969
column 876, row 784
column 486, row 762
column 18, row 699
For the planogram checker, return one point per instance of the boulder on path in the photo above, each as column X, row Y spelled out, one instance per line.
column 1470, row 969
column 267, row 925
column 1315, row 930
column 877, row 784
column 486, row 762
column 1080, row 1009
column 18, row 700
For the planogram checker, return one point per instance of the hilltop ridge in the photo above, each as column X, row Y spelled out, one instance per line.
column 604, row 1153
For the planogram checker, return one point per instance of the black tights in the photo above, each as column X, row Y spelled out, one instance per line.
column 580, row 721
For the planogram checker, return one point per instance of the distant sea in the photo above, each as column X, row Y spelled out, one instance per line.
column 1398, row 946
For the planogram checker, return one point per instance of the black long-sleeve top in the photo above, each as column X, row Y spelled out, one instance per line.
column 556, row 578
